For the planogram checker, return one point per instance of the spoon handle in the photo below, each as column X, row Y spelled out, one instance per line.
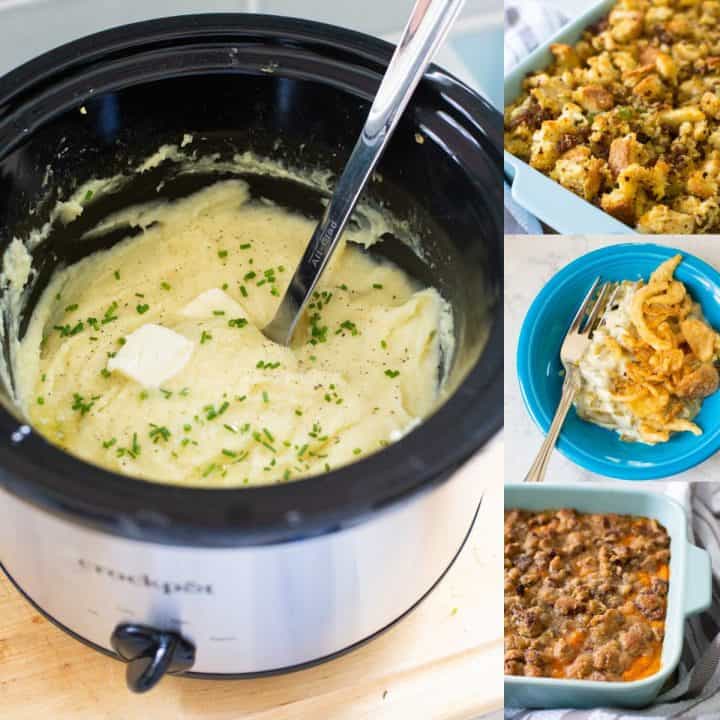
column 425, row 31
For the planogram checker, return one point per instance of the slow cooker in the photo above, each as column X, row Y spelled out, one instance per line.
column 239, row 582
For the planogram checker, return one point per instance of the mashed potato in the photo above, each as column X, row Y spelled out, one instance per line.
column 207, row 399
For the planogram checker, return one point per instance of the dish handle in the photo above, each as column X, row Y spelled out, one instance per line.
column 698, row 581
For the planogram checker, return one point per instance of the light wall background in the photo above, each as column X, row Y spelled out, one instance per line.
column 473, row 52
column 571, row 8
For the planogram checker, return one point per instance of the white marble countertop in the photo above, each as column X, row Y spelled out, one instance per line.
column 529, row 263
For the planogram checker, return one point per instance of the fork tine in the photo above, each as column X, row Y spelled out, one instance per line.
column 580, row 314
column 597, row 309
column 616, row 289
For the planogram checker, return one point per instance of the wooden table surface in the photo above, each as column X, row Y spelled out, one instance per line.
column 442, row 662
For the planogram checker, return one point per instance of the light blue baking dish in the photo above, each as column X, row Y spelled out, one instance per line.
column 559, row 208
column 689, row 592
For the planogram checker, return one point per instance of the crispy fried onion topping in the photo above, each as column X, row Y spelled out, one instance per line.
column 671, row 353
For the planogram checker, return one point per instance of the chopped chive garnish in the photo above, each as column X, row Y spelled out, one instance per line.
column 218, row 312
column 211, row 413
column 185, row 391
column 159, row 432
column 230, row 428
column 110, row 312
column 83, row 406
column 166, row 393
column 298, row 413
column 318, row 333
column 88, row 196
column 165, row 285
column 40, row 400
column 105, row 373
column 265, row 397
column 392, row 373
column 262, row 365
column 249, row 276
column 93, row 323
column 142, row 309
column 348, row 325
column 209, row 469
column 144, row 395
column 68, row 330
column 222, row 253
column 246, row 246
column 71, row 308
column 187, row 428
column 238, row 322
column 205, row 337
column 243, row 291
column 268, row 435
column 225, row 286
column 357, row 451
column 383, row 344
column 229, row 453
column 117, row 274
column 377, row 286
column 259, row 439
column 109, row 443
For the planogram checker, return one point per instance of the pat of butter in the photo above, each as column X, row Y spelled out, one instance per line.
column 211, row 301
column 151, row 355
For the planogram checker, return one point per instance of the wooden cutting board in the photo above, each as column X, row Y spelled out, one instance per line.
column 442, row 662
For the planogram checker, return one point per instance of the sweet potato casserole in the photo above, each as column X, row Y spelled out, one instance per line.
column 650, row 362
column 585, row 595
column 629, row 118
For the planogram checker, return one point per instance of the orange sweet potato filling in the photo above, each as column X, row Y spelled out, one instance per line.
column 585, row 595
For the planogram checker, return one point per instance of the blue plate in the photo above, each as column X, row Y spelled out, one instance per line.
column 539, row 369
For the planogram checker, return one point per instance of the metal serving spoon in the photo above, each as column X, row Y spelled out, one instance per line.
column 425, row 31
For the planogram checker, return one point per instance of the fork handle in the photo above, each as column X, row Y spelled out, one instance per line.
column 539, row 466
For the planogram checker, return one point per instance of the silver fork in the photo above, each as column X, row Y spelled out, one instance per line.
column 574, row 345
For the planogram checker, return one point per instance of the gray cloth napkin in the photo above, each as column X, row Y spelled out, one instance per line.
column 695, row 690
column 527, row 24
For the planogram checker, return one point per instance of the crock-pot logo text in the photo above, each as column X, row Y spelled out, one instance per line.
column 166, row 587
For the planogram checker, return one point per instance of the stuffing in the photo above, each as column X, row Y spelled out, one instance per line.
column 628, row 118
column 579, row 171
